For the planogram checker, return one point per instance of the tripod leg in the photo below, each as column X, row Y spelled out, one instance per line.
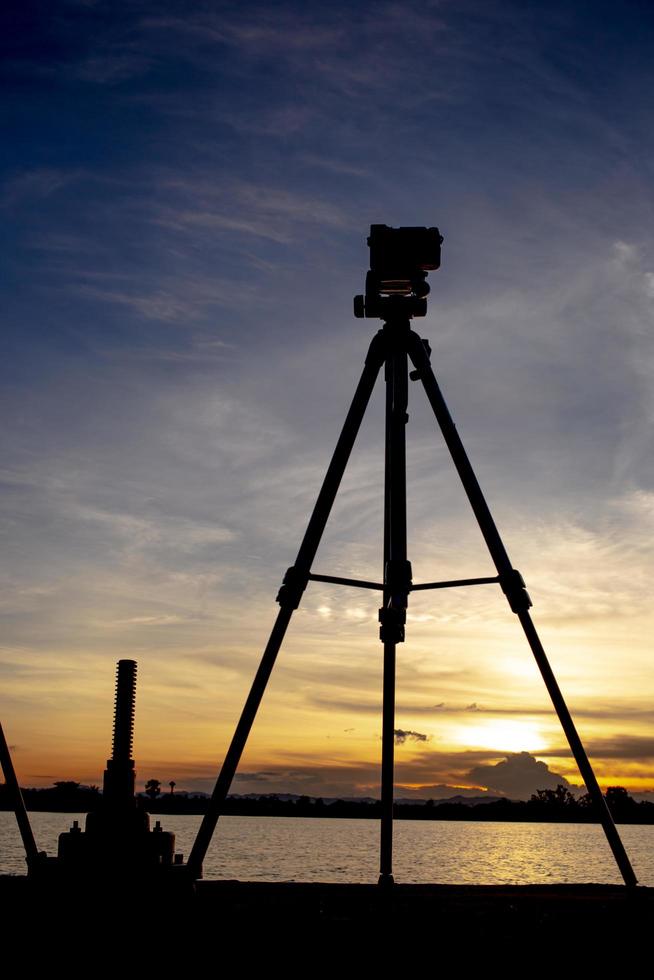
column 578, row 751
column 22, row 819
column 514, row 589
column 290, row 594
column 388, row 687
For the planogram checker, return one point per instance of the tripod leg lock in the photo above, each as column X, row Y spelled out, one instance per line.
column 392, row 622
column 514, row 588
column 398, row 577
column 417, row 373
column 293, row 585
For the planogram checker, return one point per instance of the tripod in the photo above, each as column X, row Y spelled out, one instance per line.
column 393, row 346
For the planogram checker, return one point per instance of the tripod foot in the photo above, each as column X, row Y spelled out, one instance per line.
column 386, row 881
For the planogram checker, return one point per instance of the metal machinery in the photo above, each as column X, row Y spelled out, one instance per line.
column 117, row 840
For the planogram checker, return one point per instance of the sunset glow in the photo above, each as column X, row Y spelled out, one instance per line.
column 503, row 737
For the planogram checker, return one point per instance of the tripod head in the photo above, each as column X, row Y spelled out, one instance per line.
column 396, row 284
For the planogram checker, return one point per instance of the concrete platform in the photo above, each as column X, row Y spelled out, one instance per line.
column 462, row 916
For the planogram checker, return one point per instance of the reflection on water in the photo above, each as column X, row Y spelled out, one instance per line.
column 323, row 849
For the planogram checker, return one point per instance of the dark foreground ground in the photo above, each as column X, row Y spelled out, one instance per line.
column 166, row 930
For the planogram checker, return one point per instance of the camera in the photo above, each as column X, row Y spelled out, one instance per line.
column 400, row 259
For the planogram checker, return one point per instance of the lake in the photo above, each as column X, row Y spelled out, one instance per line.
column 326, row 849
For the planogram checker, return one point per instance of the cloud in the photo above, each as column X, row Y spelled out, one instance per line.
column 431, row 775
column 166, row 619
column 35, row 184
column 281, row 34
column 257, row 777
column 518, row 776
column 402, row 735
column 238, row 206
column 624, row 747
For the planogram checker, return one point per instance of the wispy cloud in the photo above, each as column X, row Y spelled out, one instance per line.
column 33, row 184
column 268, row 212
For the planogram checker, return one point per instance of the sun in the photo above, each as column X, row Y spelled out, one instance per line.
column 504, row 736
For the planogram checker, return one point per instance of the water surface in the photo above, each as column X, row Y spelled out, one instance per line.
column 327, row 849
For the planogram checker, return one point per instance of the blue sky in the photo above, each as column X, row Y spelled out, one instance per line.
column 186, row 194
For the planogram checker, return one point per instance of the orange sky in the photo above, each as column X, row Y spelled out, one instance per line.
column 467, row 691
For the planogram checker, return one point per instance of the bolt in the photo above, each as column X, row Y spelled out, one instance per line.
column 124, row 711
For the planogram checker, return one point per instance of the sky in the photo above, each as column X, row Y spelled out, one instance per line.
column 186, row 195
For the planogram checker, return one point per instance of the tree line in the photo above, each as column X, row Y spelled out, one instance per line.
column 546, row 805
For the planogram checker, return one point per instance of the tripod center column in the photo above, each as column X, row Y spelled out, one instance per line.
column 397, row 570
